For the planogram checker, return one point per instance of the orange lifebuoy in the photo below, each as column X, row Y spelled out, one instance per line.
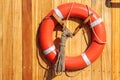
column 91, row 53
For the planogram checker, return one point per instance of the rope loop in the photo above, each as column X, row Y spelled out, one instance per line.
column 99, row 40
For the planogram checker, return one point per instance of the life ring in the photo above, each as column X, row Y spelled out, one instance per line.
column 90, row 54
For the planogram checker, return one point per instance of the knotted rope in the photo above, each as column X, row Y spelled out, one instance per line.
column 66, row 33
column 59, row 66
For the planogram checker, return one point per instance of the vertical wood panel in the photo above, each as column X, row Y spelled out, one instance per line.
column 116, row 43
column 35, row 24
column 45, row 9
column 19, row 22
column 1, row 36
column 41, row 71
column 106, row 56
column 17, row 40
column 96, row 66
column 7, row 65
column 27, row 48
column 65, row 1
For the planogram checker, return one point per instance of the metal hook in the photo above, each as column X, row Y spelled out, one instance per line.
column 111, row 4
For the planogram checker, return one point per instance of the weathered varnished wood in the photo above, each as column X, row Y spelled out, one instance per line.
column 19, row 22
column 27, row 47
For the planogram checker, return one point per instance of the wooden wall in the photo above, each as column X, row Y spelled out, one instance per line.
column 19, row 22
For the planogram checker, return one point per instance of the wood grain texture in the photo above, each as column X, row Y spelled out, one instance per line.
column 17, row 39
column 35, row 24
column 19, row 23
column 116, row 43
column 106, row 57
column 1, row 36
column 27, row 48
column 7, row 55
column 96, row 66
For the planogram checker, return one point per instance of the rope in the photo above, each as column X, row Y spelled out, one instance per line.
column 99, row 40
column 39, row 61
column 59, row 66
column 60, row 63
column 70, row 11
column 72, row 75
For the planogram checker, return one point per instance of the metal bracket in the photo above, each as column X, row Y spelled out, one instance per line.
column 111, row 4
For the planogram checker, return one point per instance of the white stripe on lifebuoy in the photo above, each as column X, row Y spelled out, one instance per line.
column 98, row 21
column 58, row 12
column 50, row 49
column 86, row 59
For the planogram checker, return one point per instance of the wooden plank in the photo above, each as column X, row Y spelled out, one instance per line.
column 65, row 1
column 7, row 63
column 115, row 43
column 34, row 59
column 27, row 39
column 36, row 8
column 41, row 71
column 1, row 36
column 44, row 9
column 106, row 56
column 56, row 3
column 16, row 36
column 17, row 40
column 96, row 66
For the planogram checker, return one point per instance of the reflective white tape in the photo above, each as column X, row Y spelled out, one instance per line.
column 58, row 12
column 54, row 52
column 98, row 21
column 85, row 58
column 50, row 49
